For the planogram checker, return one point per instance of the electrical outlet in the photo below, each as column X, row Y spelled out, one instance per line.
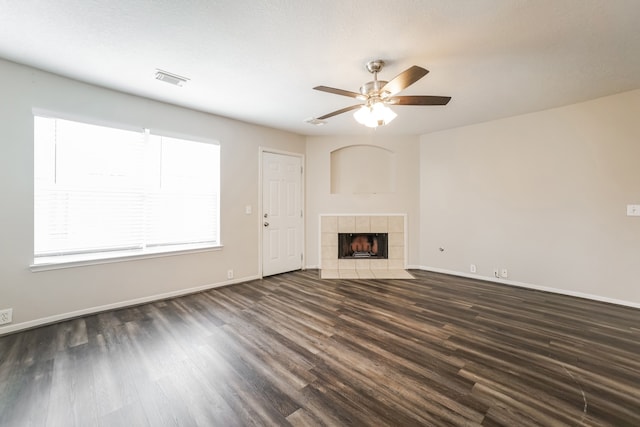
column 6, row 316
column 229, row 274
column 496, row 272
column 504, row 273
column 633, row 210
column 472, row 268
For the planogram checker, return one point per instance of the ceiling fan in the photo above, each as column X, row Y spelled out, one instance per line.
column 377, row 95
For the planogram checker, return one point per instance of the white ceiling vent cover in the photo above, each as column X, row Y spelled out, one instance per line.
column 168, row 77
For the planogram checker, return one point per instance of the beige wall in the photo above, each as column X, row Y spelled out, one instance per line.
column 543, row 195
column 320, row 200
column 51, row 294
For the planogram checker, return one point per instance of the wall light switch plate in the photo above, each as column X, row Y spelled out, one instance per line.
column 633, row 210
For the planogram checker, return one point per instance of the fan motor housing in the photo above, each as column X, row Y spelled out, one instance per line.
column 372, row 88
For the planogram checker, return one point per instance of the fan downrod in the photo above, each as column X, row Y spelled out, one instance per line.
column 372, row 89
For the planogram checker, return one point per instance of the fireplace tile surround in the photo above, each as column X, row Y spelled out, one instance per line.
column 392, row 268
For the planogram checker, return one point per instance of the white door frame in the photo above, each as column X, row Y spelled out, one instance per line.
column 263, row 150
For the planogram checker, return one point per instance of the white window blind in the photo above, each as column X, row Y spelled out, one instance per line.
column 182, row 206
column 100, row 189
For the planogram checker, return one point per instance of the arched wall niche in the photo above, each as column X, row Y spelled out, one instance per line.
column 363, row 169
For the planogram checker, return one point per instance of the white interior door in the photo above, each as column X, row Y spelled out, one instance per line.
column 281, row 213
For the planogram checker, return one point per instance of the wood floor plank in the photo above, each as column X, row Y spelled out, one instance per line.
column 72, row 395
column 293, row 349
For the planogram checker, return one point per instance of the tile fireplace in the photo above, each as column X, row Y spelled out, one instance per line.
column 363, row 246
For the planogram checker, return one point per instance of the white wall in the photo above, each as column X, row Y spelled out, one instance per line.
column 542, row 194
column 43, row 296
column 319, row 200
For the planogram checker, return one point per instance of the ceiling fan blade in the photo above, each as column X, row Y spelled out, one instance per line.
column 419, row 100
column 343, row 110
column 341, row 92
column 405, row 79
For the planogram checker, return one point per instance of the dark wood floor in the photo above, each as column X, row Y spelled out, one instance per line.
column 295, row 350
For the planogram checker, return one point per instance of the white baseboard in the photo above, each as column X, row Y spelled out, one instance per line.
column 531, row 286
column 93, row 310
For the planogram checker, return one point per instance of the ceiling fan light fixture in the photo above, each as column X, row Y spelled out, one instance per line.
column 377, row 94
column 374, row 115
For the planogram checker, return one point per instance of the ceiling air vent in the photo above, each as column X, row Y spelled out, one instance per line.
column 174, row 79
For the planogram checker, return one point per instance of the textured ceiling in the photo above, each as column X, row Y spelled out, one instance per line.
column 258, row 60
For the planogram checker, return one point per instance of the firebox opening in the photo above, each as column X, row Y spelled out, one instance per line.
column 362, row 245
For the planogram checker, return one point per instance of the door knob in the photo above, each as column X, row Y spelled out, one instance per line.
column 266, row 224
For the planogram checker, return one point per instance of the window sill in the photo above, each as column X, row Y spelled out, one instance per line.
column 70, row 261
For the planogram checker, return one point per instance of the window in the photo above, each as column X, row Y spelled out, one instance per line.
column 102, row 192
